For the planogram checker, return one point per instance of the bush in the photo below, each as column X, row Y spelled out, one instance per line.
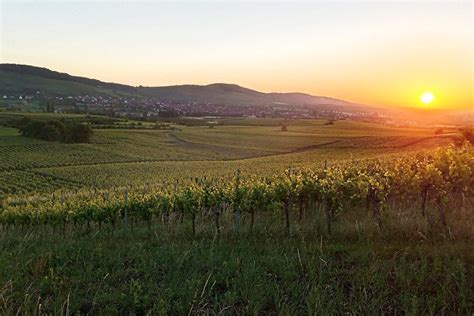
column 55, row 130
column 77, row 133
column 50, row 133
column 49, row 130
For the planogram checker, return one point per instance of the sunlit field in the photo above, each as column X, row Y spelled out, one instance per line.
column 244, row 217
column 121, row 157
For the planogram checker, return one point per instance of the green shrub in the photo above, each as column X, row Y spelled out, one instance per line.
column 55, row 130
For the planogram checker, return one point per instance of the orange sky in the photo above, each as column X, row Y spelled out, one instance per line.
column 373, row 53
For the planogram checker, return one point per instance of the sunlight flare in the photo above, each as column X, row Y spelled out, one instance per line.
column 427, row 97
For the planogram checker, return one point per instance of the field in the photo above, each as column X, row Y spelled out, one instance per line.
column 148, row 156
column 241, row 218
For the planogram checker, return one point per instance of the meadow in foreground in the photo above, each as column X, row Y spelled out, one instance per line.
column 359, row 268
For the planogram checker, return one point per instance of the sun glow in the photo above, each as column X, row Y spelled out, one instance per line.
column 426, row 97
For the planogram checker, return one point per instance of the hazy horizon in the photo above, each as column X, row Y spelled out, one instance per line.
column 383, row 54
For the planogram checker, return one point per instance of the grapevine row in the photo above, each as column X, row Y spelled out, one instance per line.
column 428, row 180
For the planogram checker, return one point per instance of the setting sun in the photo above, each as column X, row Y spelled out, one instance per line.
column 427, row 97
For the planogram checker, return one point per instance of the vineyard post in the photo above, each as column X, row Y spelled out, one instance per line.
column 376, row 214
column 216, row 218
column 252, row 219
column 286, row 204
column 327, row 206
column 195, row 210
column 65, row 218
column 287, row 214
column 463, row 199
column 313, row 207
column 442, row 214
column 194, row 222
column 237, row 202
column 133, row 217
column 2, row 206
column 301, row 207
column 174, row 215
column 424, row 196
column 126, row 210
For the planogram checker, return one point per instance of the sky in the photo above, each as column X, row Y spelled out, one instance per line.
column 378, row 53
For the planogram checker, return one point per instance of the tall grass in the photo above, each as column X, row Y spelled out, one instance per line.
column 409, row 265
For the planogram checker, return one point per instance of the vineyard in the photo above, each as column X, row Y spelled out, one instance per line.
column 439, row 180
column 241, row 218
column 117, row 157
column 126, row 176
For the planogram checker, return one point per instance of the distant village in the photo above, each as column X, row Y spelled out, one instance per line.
column 151, row 109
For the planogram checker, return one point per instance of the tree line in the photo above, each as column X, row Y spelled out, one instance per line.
column 55, row 130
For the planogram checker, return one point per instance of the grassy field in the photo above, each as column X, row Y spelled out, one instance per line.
column 162, row 273
column 399, row 263
column 356, row 269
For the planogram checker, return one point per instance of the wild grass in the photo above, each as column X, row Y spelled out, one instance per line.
column 405, row 266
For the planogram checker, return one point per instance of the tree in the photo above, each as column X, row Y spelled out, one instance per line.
column 31, row 128
column 50, row 133
column 77, row 133
column 60, row 126
column 54, row 130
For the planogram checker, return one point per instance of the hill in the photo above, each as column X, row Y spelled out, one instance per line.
column 12, row 83
column 222, row 93
column 24, row 79
column 36, row 77
column 218, row 93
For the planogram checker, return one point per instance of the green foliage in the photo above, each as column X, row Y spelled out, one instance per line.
column 442, row 175
column 77, row 133
column 116, row 157
column 49, row 130
column 55, row 130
